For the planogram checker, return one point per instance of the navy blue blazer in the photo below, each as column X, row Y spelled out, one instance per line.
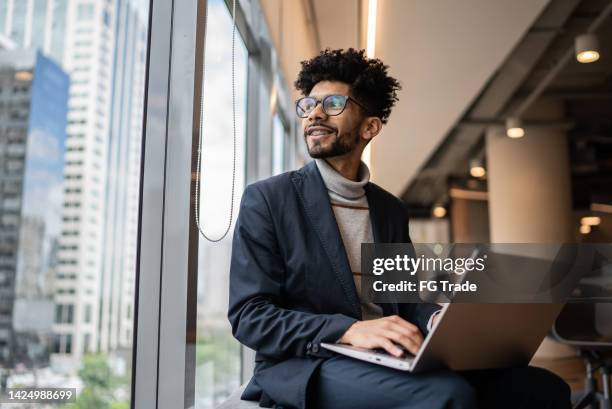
column 291, row 286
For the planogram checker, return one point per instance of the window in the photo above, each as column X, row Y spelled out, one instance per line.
column 38, row 20
column 217, row 352
column 85, row 12
column 87, row 315
column 64, row 313
column 58, row 313
column 86, row 341
column 62, row 238
column 3, row 10
column 68, row 344
column 58, row 29
column 279, row 145
column 19, row 22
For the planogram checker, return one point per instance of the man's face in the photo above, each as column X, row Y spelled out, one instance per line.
column 327, row 136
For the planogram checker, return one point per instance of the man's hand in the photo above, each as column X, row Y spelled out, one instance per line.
column 384, row 333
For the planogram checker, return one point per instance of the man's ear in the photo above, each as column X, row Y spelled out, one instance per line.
column 371, row 127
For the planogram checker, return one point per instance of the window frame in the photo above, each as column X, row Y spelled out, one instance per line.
column 165, row 309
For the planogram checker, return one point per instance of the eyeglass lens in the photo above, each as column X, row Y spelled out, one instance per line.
column 332, row 105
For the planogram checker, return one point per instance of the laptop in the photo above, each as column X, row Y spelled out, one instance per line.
column 471, row 336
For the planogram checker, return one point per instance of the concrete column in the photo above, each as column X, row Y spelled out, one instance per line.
column 529, row 187
column 530, row 191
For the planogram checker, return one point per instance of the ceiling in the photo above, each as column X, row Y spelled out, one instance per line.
column 337, row 22
column 584, row 90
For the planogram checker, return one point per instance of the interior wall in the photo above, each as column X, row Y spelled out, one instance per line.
column 338, row 23
column 292, row 35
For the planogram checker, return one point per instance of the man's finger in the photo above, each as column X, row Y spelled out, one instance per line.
column 407, row 325
column 390, row 347
column 406, row 331
column 409, row 342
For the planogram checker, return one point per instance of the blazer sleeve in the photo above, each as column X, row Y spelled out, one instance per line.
column 257, row 274
column 417, row 313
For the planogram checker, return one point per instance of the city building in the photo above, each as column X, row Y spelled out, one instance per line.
column 102, row 45
column 88, row 55
column 123, row 181
column 33, row 115
column 34, row 24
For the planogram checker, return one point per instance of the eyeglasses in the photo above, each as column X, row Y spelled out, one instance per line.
column 332, row 105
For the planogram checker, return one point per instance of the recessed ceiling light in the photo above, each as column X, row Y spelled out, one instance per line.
column 439, row 211
column 514, row 128
column 477, row 169
column 587, row 48
column 591, row 220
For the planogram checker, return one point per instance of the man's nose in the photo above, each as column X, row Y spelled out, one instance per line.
column 317, row 113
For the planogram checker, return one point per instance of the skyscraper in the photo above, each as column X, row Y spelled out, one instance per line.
column 35, row 24
column 88, row 55
column 121, row 218
column 80, row 35
column 33, row 112
column 102, row 45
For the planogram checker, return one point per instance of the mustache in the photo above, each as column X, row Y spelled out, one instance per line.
column 320, row 125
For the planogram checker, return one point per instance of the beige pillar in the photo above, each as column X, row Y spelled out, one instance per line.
column 530, row 191
column 529, row 187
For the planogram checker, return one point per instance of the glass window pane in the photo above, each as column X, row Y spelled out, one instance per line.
column 17, row 33
column 39, row 15
column 217, row 352
column 58, row 29
column 70, row 158
column 279, row 145
column 3, row 15
column 85, row 12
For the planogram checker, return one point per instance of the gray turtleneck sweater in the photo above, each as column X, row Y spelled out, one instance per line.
column 350, row 206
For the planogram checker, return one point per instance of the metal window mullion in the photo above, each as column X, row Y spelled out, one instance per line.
column 179, row 263
column 151, row 212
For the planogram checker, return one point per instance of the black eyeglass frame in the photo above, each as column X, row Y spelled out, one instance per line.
column 322, row 100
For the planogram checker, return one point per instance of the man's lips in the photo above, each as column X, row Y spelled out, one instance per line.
column 317, row 131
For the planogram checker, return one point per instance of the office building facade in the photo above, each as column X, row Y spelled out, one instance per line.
column 35, row 24
column 102, row 44
column 33, row 115
column 88, row 57
column 123, row 182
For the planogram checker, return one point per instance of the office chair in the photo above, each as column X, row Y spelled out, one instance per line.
column 588, row 328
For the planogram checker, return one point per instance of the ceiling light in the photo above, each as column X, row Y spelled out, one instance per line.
column 477, row 169
column 514, row 128
column 585, row 229
column 591, row 220
column 438, row 211
column 587, row 48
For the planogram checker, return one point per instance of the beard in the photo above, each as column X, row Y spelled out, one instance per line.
column 340, row 145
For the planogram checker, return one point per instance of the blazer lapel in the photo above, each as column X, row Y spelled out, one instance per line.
column 314, row 197
column 380, row 232
column 380, row 229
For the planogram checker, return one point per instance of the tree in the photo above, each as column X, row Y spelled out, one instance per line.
column 99, row 385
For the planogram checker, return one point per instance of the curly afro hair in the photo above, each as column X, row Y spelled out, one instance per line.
column 367, row 77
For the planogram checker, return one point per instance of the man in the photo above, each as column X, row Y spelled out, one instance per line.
column 295, row 266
